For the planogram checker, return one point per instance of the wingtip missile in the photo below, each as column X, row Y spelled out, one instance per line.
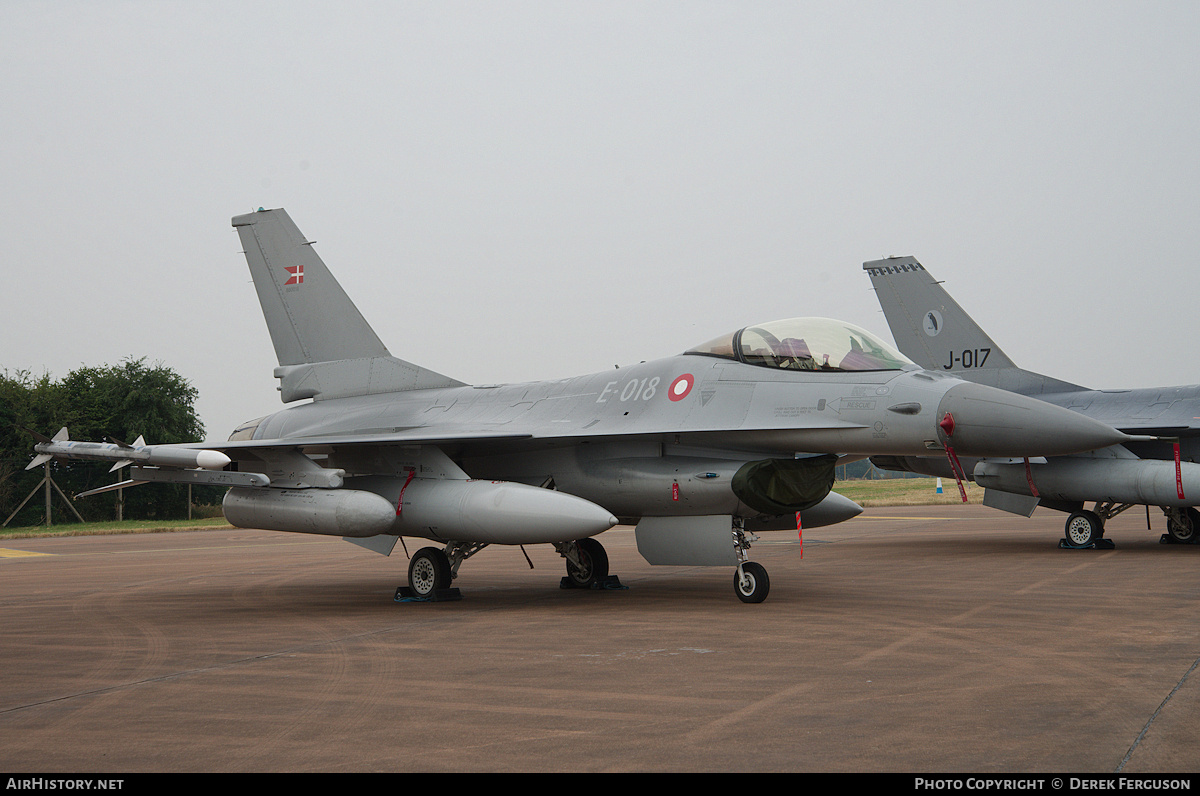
column 122, row 455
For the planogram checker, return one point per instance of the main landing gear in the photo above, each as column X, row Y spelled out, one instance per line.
column 1085, row 529
column 431, row 571
column 1183, row 526
column 587, row 565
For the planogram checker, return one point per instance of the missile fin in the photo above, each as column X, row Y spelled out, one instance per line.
column 39, row 460
column 110, row 487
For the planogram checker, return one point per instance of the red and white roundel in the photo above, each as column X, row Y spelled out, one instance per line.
column 681, row 387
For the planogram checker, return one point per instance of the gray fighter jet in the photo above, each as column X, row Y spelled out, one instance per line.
column 699, row 450
column 1156, row 468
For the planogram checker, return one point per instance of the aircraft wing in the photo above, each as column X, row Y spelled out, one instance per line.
column 442, row 435
column 414, row 436
column 284, row 462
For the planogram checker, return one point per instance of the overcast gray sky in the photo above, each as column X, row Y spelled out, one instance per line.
column 523, row 190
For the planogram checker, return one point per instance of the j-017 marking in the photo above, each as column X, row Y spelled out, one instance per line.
column 969, row 358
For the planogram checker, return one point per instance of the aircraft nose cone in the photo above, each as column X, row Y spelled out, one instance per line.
column 985, row 421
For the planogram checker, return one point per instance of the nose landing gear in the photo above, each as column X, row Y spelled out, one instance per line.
column 751, row 583
column 587, row 565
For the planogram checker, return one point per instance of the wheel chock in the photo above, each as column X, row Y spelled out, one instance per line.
column 404, row 594
column 1099, row 544
column 608, row 583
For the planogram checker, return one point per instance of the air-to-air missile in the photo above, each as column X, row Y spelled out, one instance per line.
column 60, row 446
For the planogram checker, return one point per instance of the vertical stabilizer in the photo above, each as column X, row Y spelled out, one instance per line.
column 310, row 317
column 326, row 349
column 932, row 330
column 928, row 326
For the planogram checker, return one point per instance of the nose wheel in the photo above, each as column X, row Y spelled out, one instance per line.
column 751, row 583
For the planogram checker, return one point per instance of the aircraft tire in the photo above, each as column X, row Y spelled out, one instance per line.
column 1084, row 528
column 428, row 571
column 595, row 567
column 751, row 583
column 1186, row 530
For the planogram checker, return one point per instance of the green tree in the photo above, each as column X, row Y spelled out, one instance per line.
column 25, row 402
column 119, row 401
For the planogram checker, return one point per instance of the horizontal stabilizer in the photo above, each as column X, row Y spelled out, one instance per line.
column 350, row 377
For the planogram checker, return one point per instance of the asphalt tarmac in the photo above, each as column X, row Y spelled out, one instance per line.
column 907, row 640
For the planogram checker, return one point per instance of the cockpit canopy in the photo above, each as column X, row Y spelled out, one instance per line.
column 819, row 344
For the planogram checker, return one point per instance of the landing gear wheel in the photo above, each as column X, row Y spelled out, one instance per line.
column 594, row 562
column 428, row 571
column 1183, row 526
column 751, row 583
column 1084, row 529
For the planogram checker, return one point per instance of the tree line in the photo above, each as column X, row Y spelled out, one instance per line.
column 119, row 401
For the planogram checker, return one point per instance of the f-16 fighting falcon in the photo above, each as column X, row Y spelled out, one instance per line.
column 1158, row 468
column 699, row 450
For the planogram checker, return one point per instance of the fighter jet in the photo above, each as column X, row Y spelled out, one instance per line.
column 699, row 450
column 1156, row 467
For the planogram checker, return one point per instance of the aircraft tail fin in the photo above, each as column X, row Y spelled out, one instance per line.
column 326, row 349
column 932, row 330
